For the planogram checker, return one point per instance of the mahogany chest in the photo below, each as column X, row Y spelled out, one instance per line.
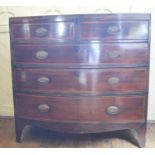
column 83, row 73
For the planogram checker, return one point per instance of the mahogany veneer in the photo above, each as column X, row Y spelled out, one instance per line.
column 82, row 54
column 81, row 80
column 81, row 73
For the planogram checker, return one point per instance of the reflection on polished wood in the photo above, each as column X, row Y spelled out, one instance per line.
column 81, row 80
column 86, row 54
column 81, row 73
column 82, row 109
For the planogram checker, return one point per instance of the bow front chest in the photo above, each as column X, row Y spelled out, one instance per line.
column 81, row 73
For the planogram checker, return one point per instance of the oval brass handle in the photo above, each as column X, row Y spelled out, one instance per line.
column 41, row 55
column 43, row 80
column 41, row 32
column 114, row 54
column 113, row 30
column 44, row 108
column 113, row 80
column 113, row 110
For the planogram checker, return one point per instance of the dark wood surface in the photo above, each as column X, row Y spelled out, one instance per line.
column 89, row 30
column 113, row 30
column 85, row 54
column 72, row 28
column 67, row 61
column 82, row 109
column 44, row 31
column 81, row 80
column 82, row 17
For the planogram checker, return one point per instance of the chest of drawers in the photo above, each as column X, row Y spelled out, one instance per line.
column 81, row 73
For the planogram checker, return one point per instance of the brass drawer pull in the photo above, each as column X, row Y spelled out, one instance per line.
column 41, row 32
column 113, row 30
column 113, row 110
column 41, row 55
column 44, row 108
column 113, row 80
column 43, row 80
column 114, row 54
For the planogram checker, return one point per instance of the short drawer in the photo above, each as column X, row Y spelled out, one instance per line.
column 106, row 109
column 113, row 30
column 38, row 32
column 81, row 80
column 113, row 109
column 45, row 108
column 84, row 54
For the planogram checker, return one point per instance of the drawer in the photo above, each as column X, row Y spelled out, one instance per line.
column 113, row 30
column 38, row 32
column 112, row 109
column 46, row 108
column 81, row 80
column 84, row 54
column 107, row 109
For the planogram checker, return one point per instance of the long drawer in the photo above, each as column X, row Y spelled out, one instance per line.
column 81, row 80
column 113, row 109
column 83, row 54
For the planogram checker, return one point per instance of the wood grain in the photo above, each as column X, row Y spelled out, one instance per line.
column 83, row 109
column 44, row 31
column 84, row 54
column 111, row 30
column 81, row 80
column 119, row 66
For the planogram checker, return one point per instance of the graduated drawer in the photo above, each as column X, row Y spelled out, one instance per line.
column 113, row 30
column 38, row 32
column 81, row 80
column 107, row 109
column 83, row 54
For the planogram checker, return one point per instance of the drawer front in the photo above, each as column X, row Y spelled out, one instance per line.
column 98, row 109
column 113, row 30
column 81, row 80
column 113, row 109
column 94, row 54
column 56, row 31
column 44, row 107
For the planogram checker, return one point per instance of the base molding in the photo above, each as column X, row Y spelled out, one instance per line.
column 136, row 131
